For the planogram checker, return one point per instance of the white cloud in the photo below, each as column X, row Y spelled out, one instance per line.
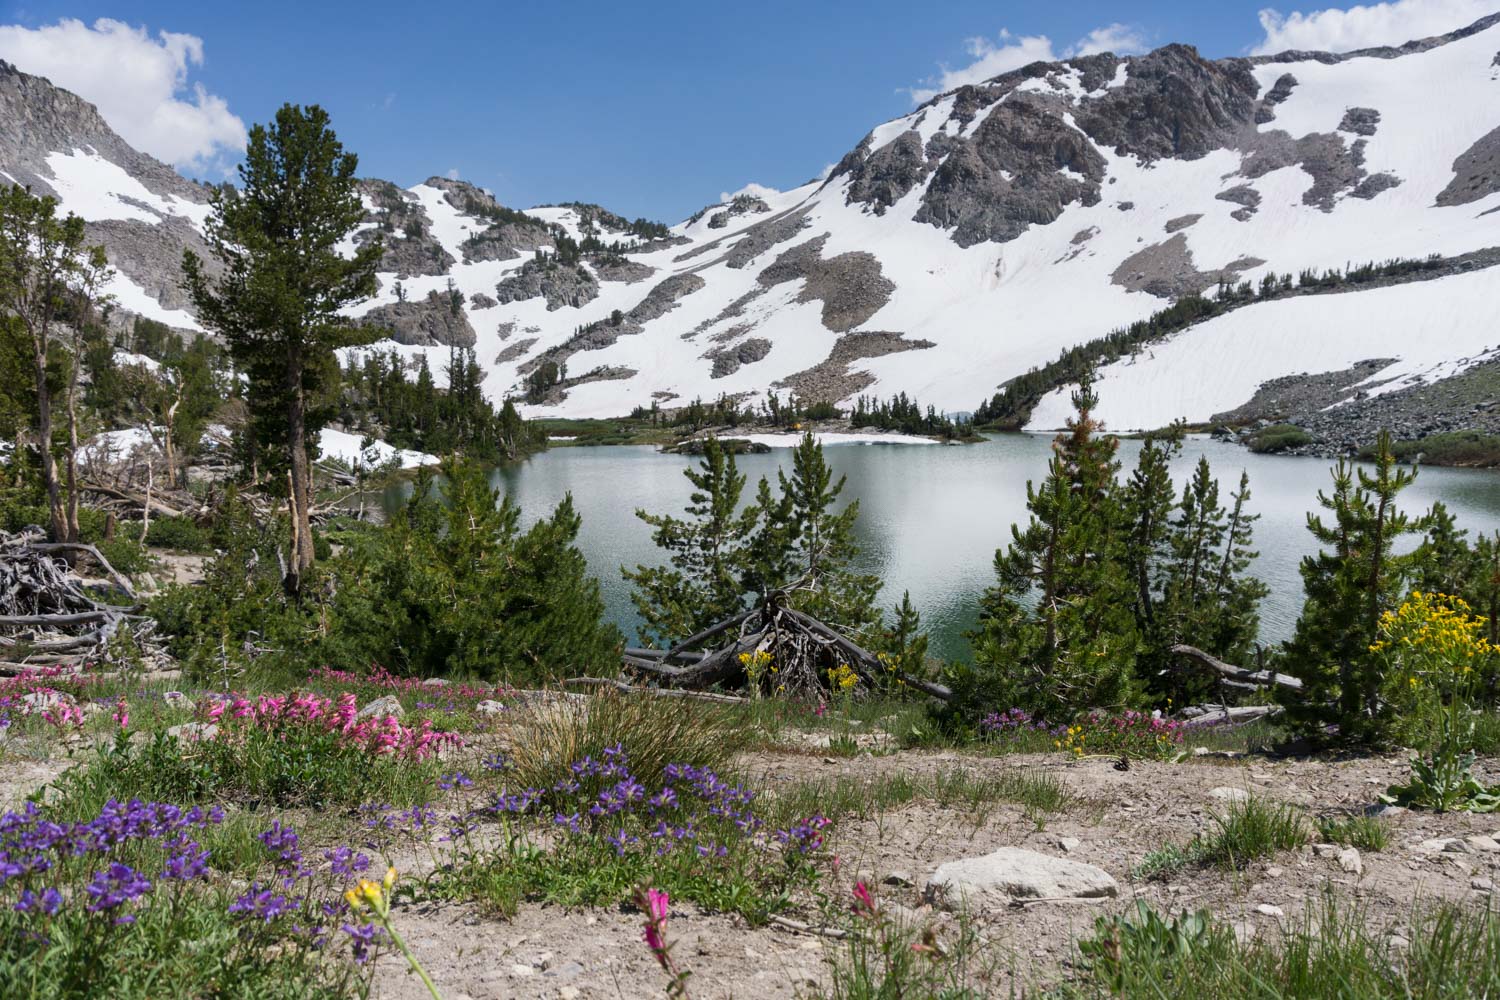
column 1360, row 27
column 752, row 189
column 1121, row 39
column 452, row 174
column 138, row 82
column 1015, row 51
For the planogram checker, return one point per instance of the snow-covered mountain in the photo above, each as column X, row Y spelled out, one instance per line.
column 954, row 248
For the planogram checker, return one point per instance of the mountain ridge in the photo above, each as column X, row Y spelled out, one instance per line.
column 954, row 248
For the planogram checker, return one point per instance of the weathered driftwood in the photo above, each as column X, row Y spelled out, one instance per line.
column 50, row 618
column 1231, row 715
column 1237, row 676
column 804, row 650
column 154, row 504
column 655, row 692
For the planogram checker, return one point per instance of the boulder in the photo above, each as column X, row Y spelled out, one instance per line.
column 381, row 707
column 1013, row 873
column 192, row 732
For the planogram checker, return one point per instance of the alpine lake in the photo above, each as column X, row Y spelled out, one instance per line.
column 932, row 516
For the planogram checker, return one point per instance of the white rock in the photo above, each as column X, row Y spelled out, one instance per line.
column 522, row 970
column 1273, row 872
column 191, row 732
column 1326, row 850
column 1350, row 861
column 1486, row 844
column 1482, row 884
column 1267, row 910
column 382, row 707
column 898, row 878
column 1069, row 844
column 435, row 682
column 1225, row 793
column 489, row 707
column 40, row 701
column 1451, row 845
column 1015, row 873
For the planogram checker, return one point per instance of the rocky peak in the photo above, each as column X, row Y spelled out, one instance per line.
column 38, row 119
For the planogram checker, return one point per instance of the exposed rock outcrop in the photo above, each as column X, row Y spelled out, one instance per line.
column 398, row 217
column 850, row 286
column 1243, row 195
column 885, row 176
column 831, row 379
column 561, row 285
column 1476, row 172
column 728, row 360
column 151, row 255
column 1022, row 167
column 1279, row 92
column 740, row 204
column 1360, row 121
column 428, row 321
column 1167, row 271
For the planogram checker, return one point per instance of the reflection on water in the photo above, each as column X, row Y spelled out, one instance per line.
column 931, row 517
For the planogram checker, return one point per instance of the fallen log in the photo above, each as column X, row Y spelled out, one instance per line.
column 145, row 503
column 621, row 686
column 93, row 553
column 1216, row 715
column 686, row 656
column 1258, row 678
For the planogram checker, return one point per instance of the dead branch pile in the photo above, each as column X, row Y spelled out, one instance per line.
column 772, row 646
column 52, row 617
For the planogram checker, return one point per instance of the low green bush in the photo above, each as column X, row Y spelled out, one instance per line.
column 1277, row 438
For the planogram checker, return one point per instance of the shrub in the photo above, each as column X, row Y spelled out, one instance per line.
column 181, row 534
column 652, row 732
column 1278, row 438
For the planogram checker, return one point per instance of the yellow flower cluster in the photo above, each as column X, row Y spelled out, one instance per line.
column 1072, row 741
column 843, row 677
column 1438, row 625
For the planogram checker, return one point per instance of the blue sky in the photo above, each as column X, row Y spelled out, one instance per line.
column 648, row 108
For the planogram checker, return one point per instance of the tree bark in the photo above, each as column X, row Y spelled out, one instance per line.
column 59, row 521
column 300, row 475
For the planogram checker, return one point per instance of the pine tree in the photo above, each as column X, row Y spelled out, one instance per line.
column 823, row 550
column 1209, row 599
column 701, row 584
column 451, row 585
column 1147, row 499
column 284, row 283
column 1056, row 634
column 1348, row 585
column 50, row 283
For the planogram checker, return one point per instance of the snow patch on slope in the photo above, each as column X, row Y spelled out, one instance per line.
column 1432, row 328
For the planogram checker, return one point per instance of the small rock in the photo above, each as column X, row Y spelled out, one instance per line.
column 1267, row 910
column 172, row 697
column 1201, row 751
column 489, row 707
column 1273, row 872
column 567, row 970
column 1386, row 811
column 1015, row 873
column 1482, row 884
column 1349, row 860
column 898, row 878
column 1069, row 844
column 1224, row 793
column 1326, row 850
column 570, row 993
column 544, row 960
column 1451, row 845
column 1482, row 843
column 40, row 701
column 435, row 682
column 1397, row 941
column 522, row 970
column 192, row 732
column 381, row 708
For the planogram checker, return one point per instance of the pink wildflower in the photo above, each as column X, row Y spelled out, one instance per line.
column 121, row 714
column 864, row 902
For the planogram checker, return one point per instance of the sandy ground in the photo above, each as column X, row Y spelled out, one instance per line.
column 546, row 951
